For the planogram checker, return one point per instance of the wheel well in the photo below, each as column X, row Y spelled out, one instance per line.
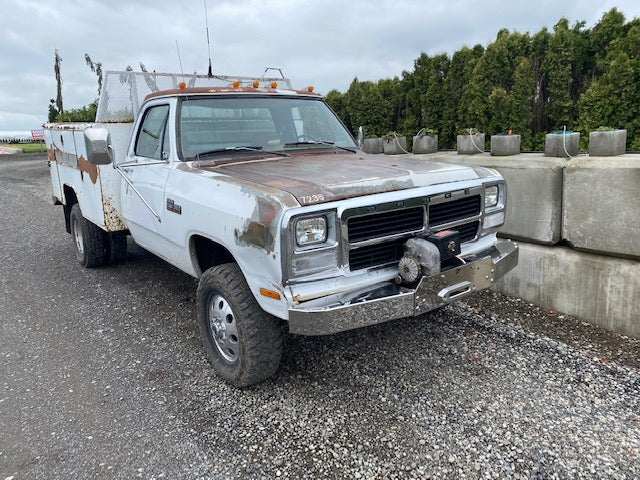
column 206, row 253
column 69, row 200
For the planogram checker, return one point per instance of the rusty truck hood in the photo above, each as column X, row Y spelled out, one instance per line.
column 325, row 177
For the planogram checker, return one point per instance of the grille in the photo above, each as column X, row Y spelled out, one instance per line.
column 406, row 221
column 376, row 255
column 446, row 212
column 383, row 224
column 468, row 231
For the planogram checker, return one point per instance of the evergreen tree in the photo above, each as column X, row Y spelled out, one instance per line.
column 613, row 99
column 521, row 102
column 572, row 76
column 336, row 101
column 460, row 69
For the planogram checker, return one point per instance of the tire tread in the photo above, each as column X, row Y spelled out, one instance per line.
column 261, row 332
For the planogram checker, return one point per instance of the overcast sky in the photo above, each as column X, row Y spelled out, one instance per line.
column 325, row 43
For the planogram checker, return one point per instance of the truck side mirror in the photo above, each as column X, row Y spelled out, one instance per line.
column 360, row 136
column 98, row 144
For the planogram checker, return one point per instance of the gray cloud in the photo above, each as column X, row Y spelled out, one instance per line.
column 325, row 43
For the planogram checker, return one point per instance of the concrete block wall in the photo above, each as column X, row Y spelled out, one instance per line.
column 534, row 192
column 578, row 225
column 596, row 288
column 601, row 210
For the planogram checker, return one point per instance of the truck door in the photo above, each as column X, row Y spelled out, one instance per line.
column 148, row 168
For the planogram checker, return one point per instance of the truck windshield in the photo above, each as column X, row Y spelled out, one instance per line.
column 237, row 125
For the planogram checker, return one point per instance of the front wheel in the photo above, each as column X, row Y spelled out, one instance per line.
column 243, row 343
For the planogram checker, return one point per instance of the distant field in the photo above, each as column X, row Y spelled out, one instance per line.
column 26, row 147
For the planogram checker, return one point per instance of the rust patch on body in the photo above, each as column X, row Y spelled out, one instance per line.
column 51, row 153
column 112, row 219
column 90, row 169
column 258, row 231
column 256, row 234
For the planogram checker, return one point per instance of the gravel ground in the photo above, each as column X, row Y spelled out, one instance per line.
column 103, row 376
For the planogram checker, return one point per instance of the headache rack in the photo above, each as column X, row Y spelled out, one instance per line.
column 123, row 92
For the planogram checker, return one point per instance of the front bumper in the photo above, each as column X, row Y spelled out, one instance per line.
column 395, row 301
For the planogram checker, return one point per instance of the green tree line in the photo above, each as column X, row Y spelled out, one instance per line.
column 573, row 76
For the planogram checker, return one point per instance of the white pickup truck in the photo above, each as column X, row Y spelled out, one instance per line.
column 261, row 193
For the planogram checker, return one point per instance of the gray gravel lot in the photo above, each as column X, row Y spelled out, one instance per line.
column 103, row 376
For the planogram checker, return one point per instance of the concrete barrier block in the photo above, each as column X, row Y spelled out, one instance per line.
column 394, row 145
column 598, row 289
column 602, row 205
column 425, row 144
column 534, row 193
column 607, row 143
column 561, row 144
column 502, row 145
column 372, row 145
column 470, row 144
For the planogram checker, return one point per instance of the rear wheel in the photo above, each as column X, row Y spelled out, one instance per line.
column 243, row 343
column 88, row 239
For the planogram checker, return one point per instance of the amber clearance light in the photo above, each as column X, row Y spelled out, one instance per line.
column 269, row 293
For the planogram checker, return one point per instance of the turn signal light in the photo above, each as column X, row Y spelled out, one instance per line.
column 269, row 294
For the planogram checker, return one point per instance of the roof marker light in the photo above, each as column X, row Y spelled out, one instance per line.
column 236, row 84
column 310, row 88
column 256, row 84
column 274, row 84
column 182, row 85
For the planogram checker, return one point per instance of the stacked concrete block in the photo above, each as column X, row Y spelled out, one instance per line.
column 607, row 143
column 394, row 145
column 503, row 145
column 602, row 205
column 600, row 289
column 561, row 144
column 470, row 144
column 534, row 193
column 425, row 144
column 372, row 145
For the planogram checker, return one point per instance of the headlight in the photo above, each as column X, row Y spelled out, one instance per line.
column 311, row 231
column 491, row 196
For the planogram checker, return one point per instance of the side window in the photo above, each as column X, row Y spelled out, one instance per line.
column 153, row 136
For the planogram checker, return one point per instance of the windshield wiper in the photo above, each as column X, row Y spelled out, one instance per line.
column 243, row 148
column 319, row 142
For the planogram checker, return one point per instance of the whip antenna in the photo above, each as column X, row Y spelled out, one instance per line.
column 179, row 59
column 206, row 22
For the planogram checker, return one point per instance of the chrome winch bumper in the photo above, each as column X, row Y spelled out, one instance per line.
column 394, row 301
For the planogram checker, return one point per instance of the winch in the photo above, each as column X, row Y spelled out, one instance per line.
column 424, row 256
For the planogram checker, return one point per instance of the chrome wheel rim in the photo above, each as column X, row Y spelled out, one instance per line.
column 77, row 236
column 223, row 328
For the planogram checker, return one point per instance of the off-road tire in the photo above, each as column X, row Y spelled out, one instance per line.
column 88, row 239
column 256, row 355
column 116, row 247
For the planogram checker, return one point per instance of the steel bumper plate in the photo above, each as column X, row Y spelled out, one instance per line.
column 431, row 293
